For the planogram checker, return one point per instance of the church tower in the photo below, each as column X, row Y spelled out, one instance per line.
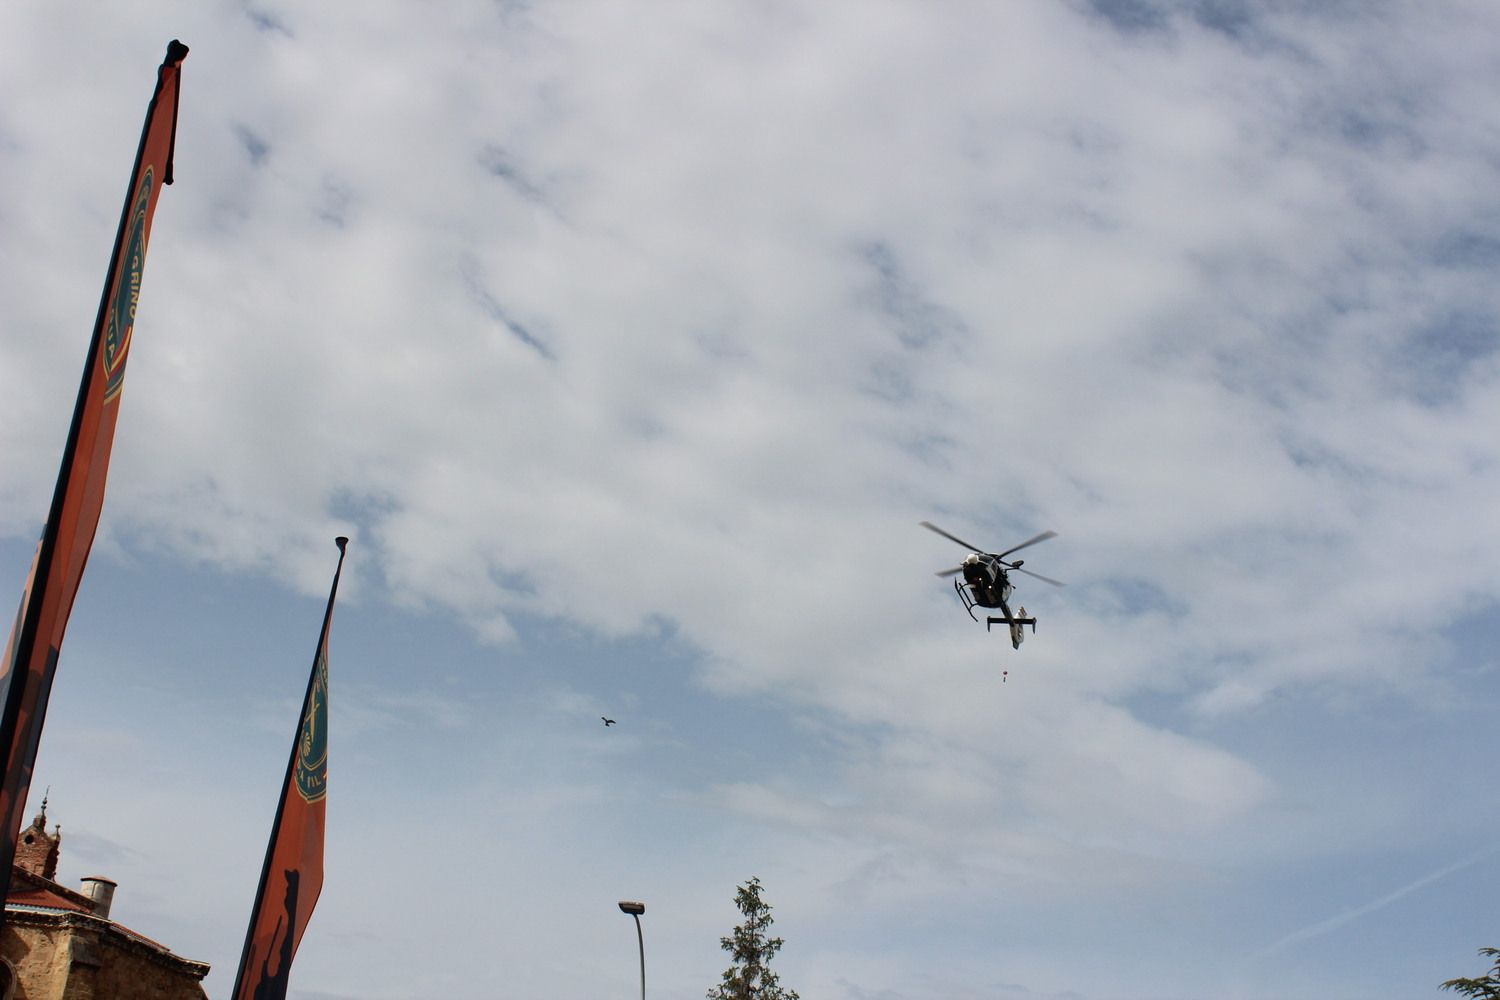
column 36, row 851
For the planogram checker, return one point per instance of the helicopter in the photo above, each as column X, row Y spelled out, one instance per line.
column 986, row 582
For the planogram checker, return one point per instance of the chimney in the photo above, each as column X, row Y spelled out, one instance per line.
column 101, row 891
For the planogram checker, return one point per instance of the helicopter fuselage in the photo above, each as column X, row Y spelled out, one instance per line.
column 986, row 581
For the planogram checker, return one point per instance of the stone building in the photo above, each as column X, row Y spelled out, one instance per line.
column 60, row 944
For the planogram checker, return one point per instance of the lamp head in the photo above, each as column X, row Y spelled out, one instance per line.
column 633, row 908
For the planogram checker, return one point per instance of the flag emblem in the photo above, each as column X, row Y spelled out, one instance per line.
column 311, row 773
column 121, row 319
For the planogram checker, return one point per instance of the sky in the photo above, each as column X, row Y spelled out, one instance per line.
column 630, row 344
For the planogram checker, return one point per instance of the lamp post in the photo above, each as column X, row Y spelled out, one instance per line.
column 635, row 910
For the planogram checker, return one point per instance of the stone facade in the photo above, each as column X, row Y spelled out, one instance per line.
column 77, row 956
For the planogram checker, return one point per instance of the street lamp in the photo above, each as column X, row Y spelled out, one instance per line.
column 635, row 910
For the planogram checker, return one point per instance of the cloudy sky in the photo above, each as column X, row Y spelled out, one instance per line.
column 630, row 343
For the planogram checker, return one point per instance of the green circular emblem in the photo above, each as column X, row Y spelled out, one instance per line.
column 311, row 772
column 120, row 320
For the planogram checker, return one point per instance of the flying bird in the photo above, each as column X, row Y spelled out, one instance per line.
column 607, row 722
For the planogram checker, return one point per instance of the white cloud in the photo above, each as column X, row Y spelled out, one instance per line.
column 580, row 324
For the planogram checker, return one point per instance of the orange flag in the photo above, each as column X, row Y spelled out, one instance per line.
column 292, row 876
column 37, row 634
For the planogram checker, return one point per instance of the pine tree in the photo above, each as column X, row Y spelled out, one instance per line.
column 1485, row 987
column 752, row 947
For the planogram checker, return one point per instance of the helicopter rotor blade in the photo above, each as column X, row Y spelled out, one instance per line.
column 952, row 538
column 951, row 572
column 1044, row 579
column 1030, row 541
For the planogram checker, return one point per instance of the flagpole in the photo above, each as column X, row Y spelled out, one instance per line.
column 176, row 51
column 292, row 933
column 31, row 653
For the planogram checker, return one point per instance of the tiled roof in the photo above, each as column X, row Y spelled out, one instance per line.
column 41, row 897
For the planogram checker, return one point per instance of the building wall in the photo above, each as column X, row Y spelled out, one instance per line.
column 76, row 957
column 129, row 976
column 40, row 958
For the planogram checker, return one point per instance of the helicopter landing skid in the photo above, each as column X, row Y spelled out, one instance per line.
column 964, row 595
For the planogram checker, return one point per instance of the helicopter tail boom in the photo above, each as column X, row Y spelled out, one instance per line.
column 1016, row 625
